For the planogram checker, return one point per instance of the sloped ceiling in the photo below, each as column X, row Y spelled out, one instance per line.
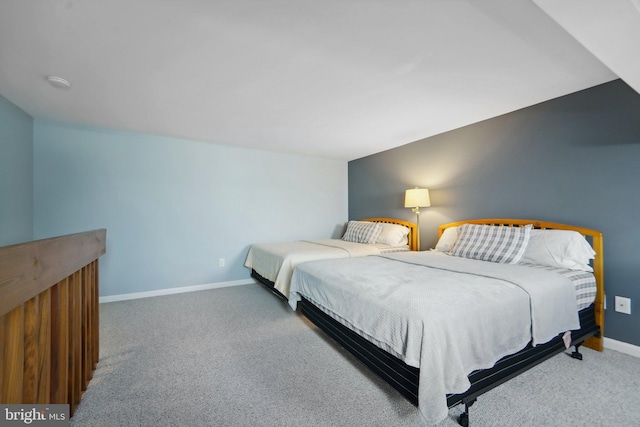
column 609, row 29
column 333, row 78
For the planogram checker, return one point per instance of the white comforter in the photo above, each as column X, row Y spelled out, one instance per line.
column 448, row 316
column 276, row 261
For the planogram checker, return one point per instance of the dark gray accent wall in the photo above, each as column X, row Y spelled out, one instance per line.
column 574, row 160
column 16, row 174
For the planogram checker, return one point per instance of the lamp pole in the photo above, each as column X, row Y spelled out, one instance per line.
column 415, row 199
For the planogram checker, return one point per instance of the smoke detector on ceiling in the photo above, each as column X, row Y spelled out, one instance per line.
column 59, row 82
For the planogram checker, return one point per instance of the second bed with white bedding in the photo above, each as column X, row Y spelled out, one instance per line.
column 276, row 261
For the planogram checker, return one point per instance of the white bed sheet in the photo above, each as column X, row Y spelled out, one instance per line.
column 276, row 261
column 446, row 315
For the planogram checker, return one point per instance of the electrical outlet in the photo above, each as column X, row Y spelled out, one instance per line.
column 623, row 305
column 221, row 262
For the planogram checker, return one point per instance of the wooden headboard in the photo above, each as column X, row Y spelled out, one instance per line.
column 413, row 230
column 595, row 238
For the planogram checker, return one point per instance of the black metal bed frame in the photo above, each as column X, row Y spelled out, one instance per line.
column 268, row 284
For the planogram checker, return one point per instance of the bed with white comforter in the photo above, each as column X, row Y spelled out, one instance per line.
column 273, row 263
column 276, row 261
column 446, row 315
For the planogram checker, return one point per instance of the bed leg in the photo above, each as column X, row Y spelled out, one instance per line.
column 576, row 354
column 463, row 419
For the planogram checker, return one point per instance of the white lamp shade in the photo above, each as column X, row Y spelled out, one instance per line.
column 417, row 198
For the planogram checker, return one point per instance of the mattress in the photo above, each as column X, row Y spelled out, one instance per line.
column 584, row 283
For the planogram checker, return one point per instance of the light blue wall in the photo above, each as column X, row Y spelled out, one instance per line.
column 574, row 160
column 173, row 207
column 16, row 174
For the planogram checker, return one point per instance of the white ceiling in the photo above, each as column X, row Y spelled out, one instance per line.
column 334, row 78
column 610, row 29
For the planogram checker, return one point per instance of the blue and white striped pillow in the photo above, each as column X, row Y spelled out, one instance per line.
column 362, row 232
column 504, row 245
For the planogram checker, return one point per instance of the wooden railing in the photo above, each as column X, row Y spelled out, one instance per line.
column 49, row 318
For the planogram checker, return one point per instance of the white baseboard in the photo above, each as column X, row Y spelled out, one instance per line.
column 170, row 291
column 622, row 347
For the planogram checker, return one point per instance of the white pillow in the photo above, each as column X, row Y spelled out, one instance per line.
column 501, row 244
column 362, row 232
column 559, row 248
column 393, row 235
column 447, row 240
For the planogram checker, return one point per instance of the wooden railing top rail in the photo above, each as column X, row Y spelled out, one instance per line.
column 26, row 269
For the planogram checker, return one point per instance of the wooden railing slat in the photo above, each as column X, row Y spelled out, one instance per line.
column 86, row 327
column 55, row 343
column 30, row 351
column 13, row 363
column 60, row 341
column 96, row 311
column 44, row 348
column 2, row 360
